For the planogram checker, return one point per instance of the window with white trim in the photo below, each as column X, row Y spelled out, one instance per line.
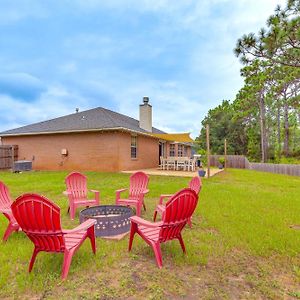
column 133, row 149
column 180, row 150
column 172, row 149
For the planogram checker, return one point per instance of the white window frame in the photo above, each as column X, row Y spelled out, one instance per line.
column 180, row 150
column 134, row 147
column 185, row 150
column 172, row 150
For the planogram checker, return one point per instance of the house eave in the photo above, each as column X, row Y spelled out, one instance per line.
column 122, row 129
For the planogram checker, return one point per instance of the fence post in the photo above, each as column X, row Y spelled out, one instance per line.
column 225, row 154
column 208, row 151
column 12, row 156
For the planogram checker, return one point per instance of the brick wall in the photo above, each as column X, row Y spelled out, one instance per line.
column 147, row 153
column 94, row 151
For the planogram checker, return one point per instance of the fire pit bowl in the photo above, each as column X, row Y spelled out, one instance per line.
column 111, row 219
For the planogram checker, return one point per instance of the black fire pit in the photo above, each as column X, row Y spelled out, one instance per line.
column 111, row 219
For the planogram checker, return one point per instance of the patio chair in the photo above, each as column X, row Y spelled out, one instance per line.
column 76, row 184
column 40, row 220
column 5, row 208
column 138, row 188
column 171, row 163
column 195, row 185
column 177, row 213
column 191, row 164
column 181, row 163
column 162, row 164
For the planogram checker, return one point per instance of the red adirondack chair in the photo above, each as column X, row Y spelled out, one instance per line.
column 177, row 212
column 5, row 208
column 40, row 220
column 195, row 184
column 137, row 191
column 77, row 193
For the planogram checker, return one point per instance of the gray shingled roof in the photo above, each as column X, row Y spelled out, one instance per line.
column 97, row 118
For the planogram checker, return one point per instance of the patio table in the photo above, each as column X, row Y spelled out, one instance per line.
column 177, row 163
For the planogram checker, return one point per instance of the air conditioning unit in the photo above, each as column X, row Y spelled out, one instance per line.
column 22, row 165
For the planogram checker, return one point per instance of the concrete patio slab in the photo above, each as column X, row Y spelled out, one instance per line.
column 159, row 172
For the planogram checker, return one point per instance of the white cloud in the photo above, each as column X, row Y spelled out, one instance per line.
column 56, row 101
column 21, row 85
column 15, row 11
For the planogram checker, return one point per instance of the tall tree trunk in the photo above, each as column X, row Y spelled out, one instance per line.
column 278, row 131
column 286, row 149
column 263, row 131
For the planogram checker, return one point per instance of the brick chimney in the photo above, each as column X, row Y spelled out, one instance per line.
column 146, row 115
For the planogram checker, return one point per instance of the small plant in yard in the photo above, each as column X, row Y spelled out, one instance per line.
column 221, row 162
column 203, row 162
column 203, row 158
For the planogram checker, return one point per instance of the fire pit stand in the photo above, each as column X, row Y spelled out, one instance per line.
column 111, row 219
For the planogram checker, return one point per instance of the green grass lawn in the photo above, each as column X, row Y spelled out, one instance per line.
column 240, row 246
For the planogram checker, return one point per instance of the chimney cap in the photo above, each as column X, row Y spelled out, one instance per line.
column 146, row 100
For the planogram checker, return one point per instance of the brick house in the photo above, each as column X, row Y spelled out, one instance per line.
column 94, row 140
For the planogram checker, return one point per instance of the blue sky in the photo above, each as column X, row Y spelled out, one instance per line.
column 61, row 54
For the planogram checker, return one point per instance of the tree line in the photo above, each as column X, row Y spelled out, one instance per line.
column 263, row 121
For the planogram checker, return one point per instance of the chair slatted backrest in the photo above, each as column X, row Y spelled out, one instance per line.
column 172, row 158
column 178, row 210
column 77, row 184
column 183, row 158
column 39, row 218
column 138, row 183
column 196, row 184
column 5, row 200
column 161, row 160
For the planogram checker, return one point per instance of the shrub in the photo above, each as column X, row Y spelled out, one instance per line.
column 222, row 160
column 203, row 158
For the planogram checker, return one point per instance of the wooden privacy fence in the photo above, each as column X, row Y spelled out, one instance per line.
column 241, row 162
column 233, row 161
column 8, row 154
column 293, row 170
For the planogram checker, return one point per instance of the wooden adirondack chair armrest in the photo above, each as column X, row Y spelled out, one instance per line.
column 162, row 197
column 84, row 226
column 5, row 210
column 97, row 195
column 118, row 192
column 146, row 191
column 121, row 190
column 67, row 193
column 140, row 221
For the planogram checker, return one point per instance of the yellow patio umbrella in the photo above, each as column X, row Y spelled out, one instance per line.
column 174, row 137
